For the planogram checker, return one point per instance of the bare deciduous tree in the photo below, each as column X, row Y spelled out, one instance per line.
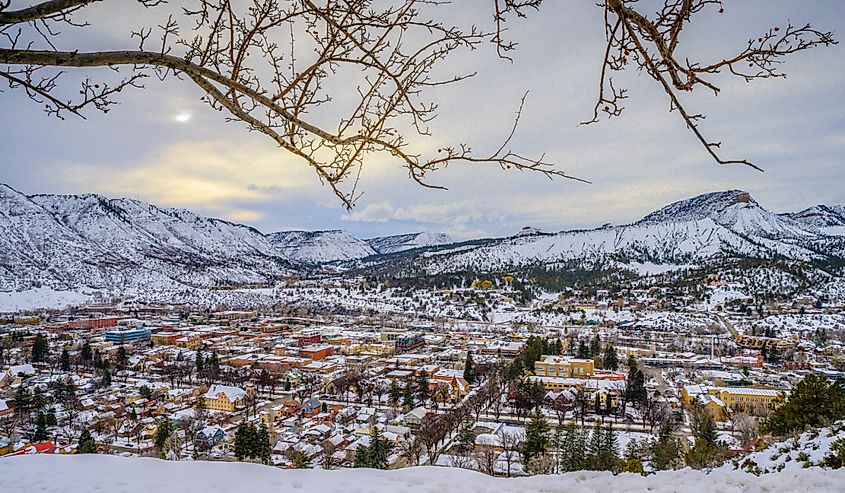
column 336, row 82
column 652, row 46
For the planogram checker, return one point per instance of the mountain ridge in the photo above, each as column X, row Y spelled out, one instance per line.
column 67, row 241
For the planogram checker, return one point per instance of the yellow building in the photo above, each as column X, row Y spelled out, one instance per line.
column 225, row 398
column 564, row 367
column 720, row 400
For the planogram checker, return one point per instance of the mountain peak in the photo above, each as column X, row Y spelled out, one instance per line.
column 711, row 205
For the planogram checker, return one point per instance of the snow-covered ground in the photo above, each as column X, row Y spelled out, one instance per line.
column 808, row 449
column 86, row 473
column 39, row 298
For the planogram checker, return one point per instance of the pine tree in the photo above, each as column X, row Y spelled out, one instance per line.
column 242, row 446
column 265, row 450
column 536, row 436
column 200, row 363
column 594, row 449
column 106, row 377
column 707, row 451
column 122, row 357
column 408, row 396
column 611, row 360
column 86, row 444
column 163, row 431
column 299, row 460
column 666, row 452
column 362, row 457
column 394, row 393
column 608, row 456
column 378, row 453
column 423, row 392
column 469, row 369
column 64, row 360
column 583, row 351
column 813, row 402
column 595, row 347
column 85, row 353
column 466, row 438
column 40, row 349
column 40, row 433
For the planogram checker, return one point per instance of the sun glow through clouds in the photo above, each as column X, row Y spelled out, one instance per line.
column 183, row 117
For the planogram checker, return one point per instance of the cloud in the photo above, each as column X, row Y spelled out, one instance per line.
column 203, row 175
column 438, row 213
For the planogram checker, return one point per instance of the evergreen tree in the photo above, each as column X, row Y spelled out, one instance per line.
column 213, row 367
column 23, row 401
column 608, row 456
column 145, row 392
column 708, row 451
column 64, row 360
column 813, row 402
column 666, row 451
column 122, row 357
column 242, row 442
column 583, row 352
column 633, row 458
column 299, row 460
column 378, row 452
column 264, row 449
column 362, row 457
column 40, row 349
column 536, row 436
column 200, row 363
column 394, row 393
column 163, row 431
column 611, row 360
column 466, row 438
column 423, row 392
column 86, row 444
column 106, row 377
column 469, row 369
column 595, row 347
column 594, row 449
column 408, row 396
column 40, row 434
column 85, row 353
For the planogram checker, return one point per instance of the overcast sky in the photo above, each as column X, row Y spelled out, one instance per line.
column 164, row 146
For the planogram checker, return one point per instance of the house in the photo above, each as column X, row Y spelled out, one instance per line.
column 414, row 417
column 210, row 436
column 14, row 375
column 225, row 398
column 311, row 407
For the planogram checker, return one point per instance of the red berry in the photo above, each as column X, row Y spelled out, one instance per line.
column 721, row 10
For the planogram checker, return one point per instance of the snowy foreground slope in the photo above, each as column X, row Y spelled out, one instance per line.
column 82, row 474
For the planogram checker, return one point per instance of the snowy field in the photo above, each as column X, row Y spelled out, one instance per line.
column 86, row 473
column 40, row 298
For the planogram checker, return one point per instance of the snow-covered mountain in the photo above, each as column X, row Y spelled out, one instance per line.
column 700, row 230
column 821, row 215
column 66, row 242
column 314, row 247
column 75, row 241
column 400, row 243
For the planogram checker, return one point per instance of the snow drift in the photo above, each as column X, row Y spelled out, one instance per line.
column 85, row 473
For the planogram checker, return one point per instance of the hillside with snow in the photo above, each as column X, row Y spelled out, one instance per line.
column 315, row 247
column 90, row 241
column 400, row 243
column 85, row 473
column 705, row 229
